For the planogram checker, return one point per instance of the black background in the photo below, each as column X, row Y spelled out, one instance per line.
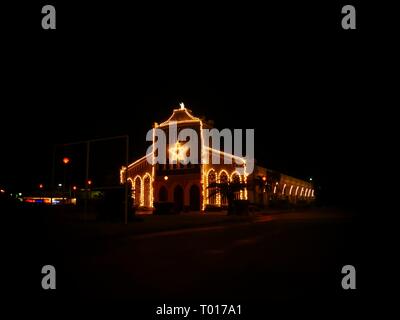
column 286, row 69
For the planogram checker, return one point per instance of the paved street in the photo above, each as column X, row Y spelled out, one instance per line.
column 276, row 257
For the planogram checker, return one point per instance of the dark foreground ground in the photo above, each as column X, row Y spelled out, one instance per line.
column 281, row 259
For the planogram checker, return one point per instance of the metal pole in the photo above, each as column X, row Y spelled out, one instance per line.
column 87, row 169
column 64, row 183
column 126, row 179
column 53, row 173
column 87, row 180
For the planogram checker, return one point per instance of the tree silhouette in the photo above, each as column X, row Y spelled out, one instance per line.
column 227, row 190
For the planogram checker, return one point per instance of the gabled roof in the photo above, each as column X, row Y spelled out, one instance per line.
column 139, row 161
column 180, row 115
column 238, row 160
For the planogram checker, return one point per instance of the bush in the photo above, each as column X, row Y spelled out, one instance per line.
column 240, row 207
column 303, row 204
column 212, row 208
column 111, row 206
column 164, row 208
column 279, row 204
column 7, row 202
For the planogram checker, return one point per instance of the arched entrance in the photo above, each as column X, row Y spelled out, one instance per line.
column 131, row 195
column 235, row 180
column 147, row 191
column 163, row 194
column 223, row 180
column 137, row 192
column 178, row 198
column 194, row 195
column 212, row 198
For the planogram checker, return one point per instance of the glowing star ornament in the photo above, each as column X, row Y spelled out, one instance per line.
column 177, row 152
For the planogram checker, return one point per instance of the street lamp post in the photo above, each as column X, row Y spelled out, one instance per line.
column 126, row 180
column 41, row 191
column 72, row 192
column 66, row 162
column 86, row 180
column 87, row 142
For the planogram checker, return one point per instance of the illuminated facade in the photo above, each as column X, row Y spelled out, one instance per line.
column 187, row 185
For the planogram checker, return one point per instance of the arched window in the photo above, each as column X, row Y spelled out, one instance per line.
column 235, row 179
column 223, row 179
column 147, row 191
column 137, row 191
column 212, row 190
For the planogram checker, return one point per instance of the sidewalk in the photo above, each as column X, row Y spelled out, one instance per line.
column 82, row 231
column 149, row 224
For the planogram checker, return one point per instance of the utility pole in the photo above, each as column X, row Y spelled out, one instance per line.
column 87, row 185
column 86, row 180
column 53, row 173
column 126, row 179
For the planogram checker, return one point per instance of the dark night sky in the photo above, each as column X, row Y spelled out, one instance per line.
column 290, row 72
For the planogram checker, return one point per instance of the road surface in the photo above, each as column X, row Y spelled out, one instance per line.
column 276, row 258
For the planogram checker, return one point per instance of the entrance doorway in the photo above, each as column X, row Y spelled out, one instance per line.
column 163, row 194
column 194, row 195
column 178, row 198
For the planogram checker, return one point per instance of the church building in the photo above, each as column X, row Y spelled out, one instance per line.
column 188, row 185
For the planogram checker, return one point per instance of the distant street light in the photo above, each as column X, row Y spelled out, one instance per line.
column 40, row 186
column 87, row 181
column 310, row 179
column 3, row 191
column 74, row 188
column 60, row 184
column 165, row 178
column 65, row 160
